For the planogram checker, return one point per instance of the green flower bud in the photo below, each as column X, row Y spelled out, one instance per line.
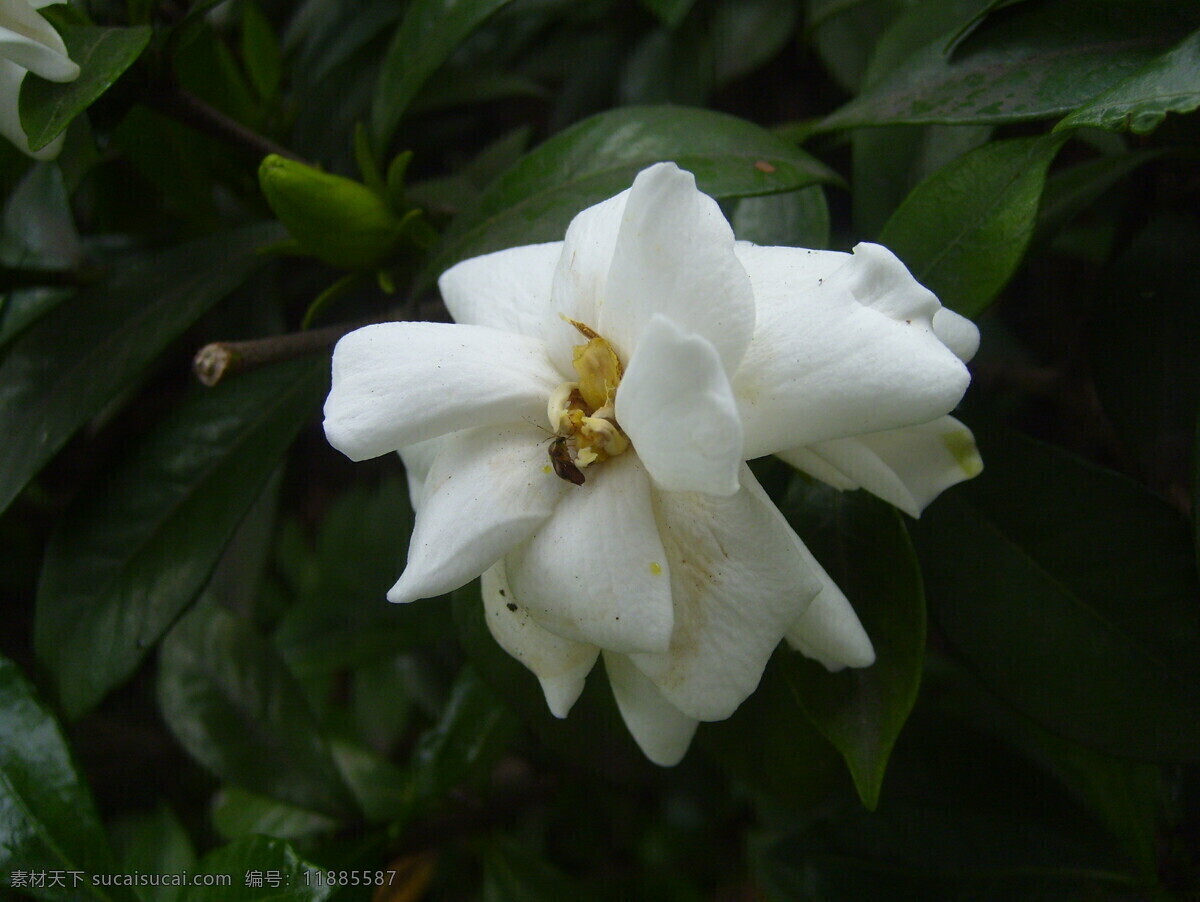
column 335, row 219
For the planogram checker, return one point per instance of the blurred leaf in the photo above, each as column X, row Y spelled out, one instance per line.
column 861, row 711
column 475, row 85
column 154, row 843
column 48, row 821
column 671, row 12
column 536, row 199
column 748, row 34
column 844, row 31
column 513, row 873
column 1071, row 191
column 1072, row 593
column 102, row 54
column 382, row 788
column 232, row 704
column 1169, row 84
column 39, row 224
column 963, row 231
column 475, row 729
column 345, row 619
column 430, row 31
column 134, row 550
column 260, row 52
column 792, row 219
column 669, row 67
column 59, row 372
column 239, row 813
column 1033, row 62
column 262, row 869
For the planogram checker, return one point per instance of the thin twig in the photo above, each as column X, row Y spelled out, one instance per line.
column 191, row 110
column 215, row 361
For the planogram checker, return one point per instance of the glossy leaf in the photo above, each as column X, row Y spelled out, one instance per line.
column 261, row 869
column 154, row 843
column 793, row 219
column 238, row 813
column 749, row 33
column 1077, row 599
column 1169, row 84
column 430, row 31
column 260, row 52
column 1032, row 62
column 102, row 54
column 861, row 711
column 671, row 12
column 230, row 701
column 48, row 821
column 536, row 199
column 59, row 372
column 963, row 231
column 135, row 549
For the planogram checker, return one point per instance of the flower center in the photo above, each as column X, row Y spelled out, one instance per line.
column 581, row 412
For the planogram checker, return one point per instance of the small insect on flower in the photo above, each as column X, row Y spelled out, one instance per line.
column 560, row 459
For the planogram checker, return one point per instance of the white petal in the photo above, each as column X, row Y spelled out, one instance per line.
column 877, row 278
column 739, row 579
column 508, row 290
column 907, row 467
column 675, row 256
column 486, row 491
column 560, row 665
column 826, row 364
column 957, row 333
column 661, row 730
column 819, row 468
column 596, row 572
column 581, row 276
column 829, row 631
column 395, row 384
column 676, row 405
column 418, row 459
column 31, row 42
column 11, row 76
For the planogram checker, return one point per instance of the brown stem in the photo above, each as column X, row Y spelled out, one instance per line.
column 215, row 361
column 191, row 110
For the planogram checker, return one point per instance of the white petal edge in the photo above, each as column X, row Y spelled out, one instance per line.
column 31, row 42
column 677, row 407
column 907, row 467
column 508, row 290
column 829, row 631
column 418, row 459
column 825, row 364
column 740, row 577
column 957, row 333
column 661, row 730
column 674, row 257
column 11, row 76
column 596, row 571
column 486, row 490
column 560, row 665
column 396, row 384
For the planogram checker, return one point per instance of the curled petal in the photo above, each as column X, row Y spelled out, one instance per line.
column 675, row 257
column 508, row 290
column 560, row 665
column 739, row 579
column 31, row 42
column 418, row 459
column 829, row 631
column 957, row 333
column 396, row 384
column 906, row 467
column 485, row 492
column 596, row 571
column 676, row 405
column 827, row 364
column 877, row 279
column 661, row 730
column 582, row 276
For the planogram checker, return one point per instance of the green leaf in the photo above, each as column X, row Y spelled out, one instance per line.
column 1071, row 191
column 671, row 12
column 749, row 33
column 793, row 219
column 1033, row 62
column 66, row 366
column 154, row 843
column 1071, row 592
column 238, row 813
column 230, row 701
column 260, row 52
column 259, row 869
column 102, row 54
column 48, row 821
column 134, row 550
column 861, row 711
column 475, row 729
column 1169, row 84
column 430, row 31
column 595, row 159
column 513, row 873
column 963, row 231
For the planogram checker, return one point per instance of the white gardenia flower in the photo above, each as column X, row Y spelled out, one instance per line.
column 662, row 354
column 28, row 43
